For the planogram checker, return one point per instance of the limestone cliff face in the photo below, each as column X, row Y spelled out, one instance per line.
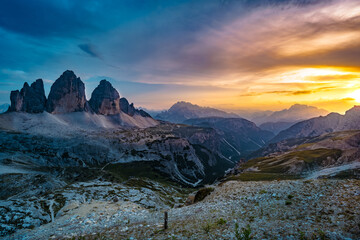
column 124, row 105
column 29, row 99
column 105, row 99
column 130, row 109
column 67, row 94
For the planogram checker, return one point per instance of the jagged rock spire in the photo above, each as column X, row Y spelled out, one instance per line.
column 105, row 99
column 67, row 94
column 29, row 99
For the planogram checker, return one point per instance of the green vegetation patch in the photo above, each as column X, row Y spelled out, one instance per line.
column 310, row 156
column 282, row 163
column 254, row 162
column 303, row 146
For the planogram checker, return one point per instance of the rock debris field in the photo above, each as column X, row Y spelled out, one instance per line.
column 296, row 209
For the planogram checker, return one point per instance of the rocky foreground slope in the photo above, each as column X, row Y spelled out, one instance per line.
column 47, row 161
column 301, row 209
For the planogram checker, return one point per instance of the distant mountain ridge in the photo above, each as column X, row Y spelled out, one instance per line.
column 333, row 122
column 308, row 157
column 295, row 113
column 4, row 107
column 276, row 127
column 181, row 111
column 242, row 135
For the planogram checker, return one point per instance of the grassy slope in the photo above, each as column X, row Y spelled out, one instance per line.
column 303, row 155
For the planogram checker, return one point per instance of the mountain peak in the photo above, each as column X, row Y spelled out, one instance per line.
column 105, row 99
column 67, row 94
column 29, row 99
column 182, row 104
column 295, row 113
column 105, row 82
column 353, row 110
column 26, row 85
column 298, row 106
column 324, row 124
column 68, row 73
column 182, row 111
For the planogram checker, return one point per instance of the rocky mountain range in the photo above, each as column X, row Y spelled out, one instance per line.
column 295, row 113
column 182, row 111
column 271, row 121
column 276, row 127
column 316, row 126
column 242, row 135
column 67, row 95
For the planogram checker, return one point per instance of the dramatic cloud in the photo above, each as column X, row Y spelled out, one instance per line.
column 235, row 53
column 41, row 18
column 89, row 49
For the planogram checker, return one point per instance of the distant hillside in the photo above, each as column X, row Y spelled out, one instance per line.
column 295, row 113
column 182, row 111
column 333, row 154
column 151, row 112
column 4, row 107
column 276, row 127
column 242, row 135
column 316, row 126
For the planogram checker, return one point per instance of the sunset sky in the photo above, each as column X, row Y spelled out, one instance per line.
column 228, row 54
